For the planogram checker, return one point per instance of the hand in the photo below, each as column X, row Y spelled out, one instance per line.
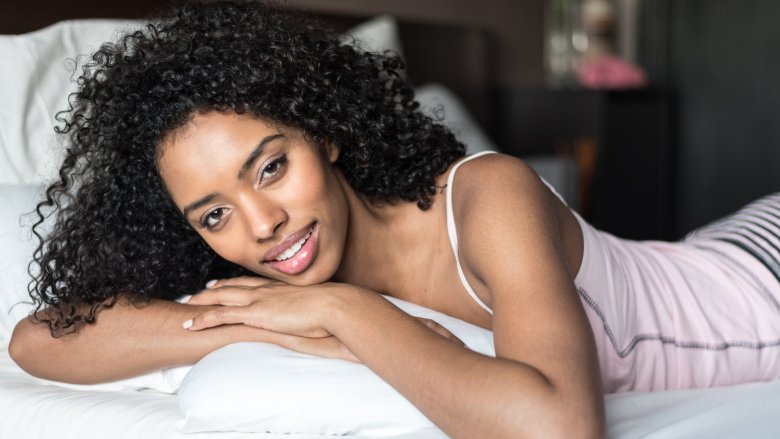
column 327, row 347
column 275, row 306
column 267, row 304
column 241, row 282
column 441, row 330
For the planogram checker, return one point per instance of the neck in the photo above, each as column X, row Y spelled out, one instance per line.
column 377, row 240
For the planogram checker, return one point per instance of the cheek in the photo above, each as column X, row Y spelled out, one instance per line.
column 312, row 187
column 227, row 244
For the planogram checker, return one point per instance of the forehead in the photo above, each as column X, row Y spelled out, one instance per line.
column 212, row 137
column 215, row 131
column 210, row 146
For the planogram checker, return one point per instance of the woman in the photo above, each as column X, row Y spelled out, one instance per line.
column 233, row 147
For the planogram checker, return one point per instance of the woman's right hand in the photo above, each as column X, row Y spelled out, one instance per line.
column 241, row 282
column 327, row 347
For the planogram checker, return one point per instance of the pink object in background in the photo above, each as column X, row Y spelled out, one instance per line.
column 610, row 72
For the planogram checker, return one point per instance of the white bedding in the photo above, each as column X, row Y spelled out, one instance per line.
column 746, row 411
column 32, row 409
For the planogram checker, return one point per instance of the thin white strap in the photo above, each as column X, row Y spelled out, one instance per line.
column 453, row 234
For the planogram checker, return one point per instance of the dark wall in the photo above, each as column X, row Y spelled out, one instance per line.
column 19, row 16
column 724, row 65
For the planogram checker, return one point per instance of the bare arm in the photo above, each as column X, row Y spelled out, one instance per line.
column 544, row 381
column 467, row 394
column 128, row 341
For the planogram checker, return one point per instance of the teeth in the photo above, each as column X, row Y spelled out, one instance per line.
column 293, row 249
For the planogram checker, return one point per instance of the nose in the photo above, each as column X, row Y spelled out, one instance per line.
column 264, row 217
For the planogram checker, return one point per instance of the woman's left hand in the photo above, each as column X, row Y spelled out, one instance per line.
column 269, row 305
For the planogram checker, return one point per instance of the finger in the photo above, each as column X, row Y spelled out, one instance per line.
column 441, row 330
column 229, row 296
column 328, row 347
column 245, row 281
column 224, row 315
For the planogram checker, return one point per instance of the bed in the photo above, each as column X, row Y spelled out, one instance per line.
column 33, row 83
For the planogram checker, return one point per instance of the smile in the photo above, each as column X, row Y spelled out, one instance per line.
column 290, row 252
column 297, row 256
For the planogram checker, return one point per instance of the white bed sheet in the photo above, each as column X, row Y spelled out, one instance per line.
column 745, row 411
column 30, row 408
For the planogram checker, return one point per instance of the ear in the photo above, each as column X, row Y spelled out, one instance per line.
column 332, row 151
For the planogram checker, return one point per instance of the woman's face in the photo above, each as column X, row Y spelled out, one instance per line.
column 259, row 194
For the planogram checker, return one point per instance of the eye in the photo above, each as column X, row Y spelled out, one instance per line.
column 211, row 219
column 273, row 168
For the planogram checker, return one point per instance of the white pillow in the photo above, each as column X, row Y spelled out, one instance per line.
column 17, row 244
column 258, row 387
column 36, row 76
column 441, row 104
column 379, row 34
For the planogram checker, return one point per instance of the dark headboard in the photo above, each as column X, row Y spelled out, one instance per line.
column 458, row 57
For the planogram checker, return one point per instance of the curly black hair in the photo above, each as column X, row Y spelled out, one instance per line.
column 116, row 230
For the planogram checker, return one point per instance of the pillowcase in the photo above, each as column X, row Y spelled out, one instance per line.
column 259, row 387
column 36, row 75
column 441, row 104
column 376, row 35
column 18, row 244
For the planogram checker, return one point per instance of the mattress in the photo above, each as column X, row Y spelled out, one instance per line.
column 31, row 408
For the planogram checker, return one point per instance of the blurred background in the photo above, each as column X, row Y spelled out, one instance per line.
column 669, row 109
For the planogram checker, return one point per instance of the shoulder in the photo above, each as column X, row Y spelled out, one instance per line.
column 510, row 239
column 506, row 217
column 493, row 180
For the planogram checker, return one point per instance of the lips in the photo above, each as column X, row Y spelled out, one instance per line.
column 295, row 253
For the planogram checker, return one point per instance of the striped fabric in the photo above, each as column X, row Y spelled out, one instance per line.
column 754, row 229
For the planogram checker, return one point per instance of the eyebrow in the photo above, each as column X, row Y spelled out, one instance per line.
column 241, row 173
column 255, row 154
column 199, row 203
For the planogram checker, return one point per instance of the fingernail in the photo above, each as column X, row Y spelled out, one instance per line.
column 187, row 324
column 211, row 283
column 184, row 299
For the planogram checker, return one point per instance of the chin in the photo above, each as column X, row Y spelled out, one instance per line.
column 311, row 276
